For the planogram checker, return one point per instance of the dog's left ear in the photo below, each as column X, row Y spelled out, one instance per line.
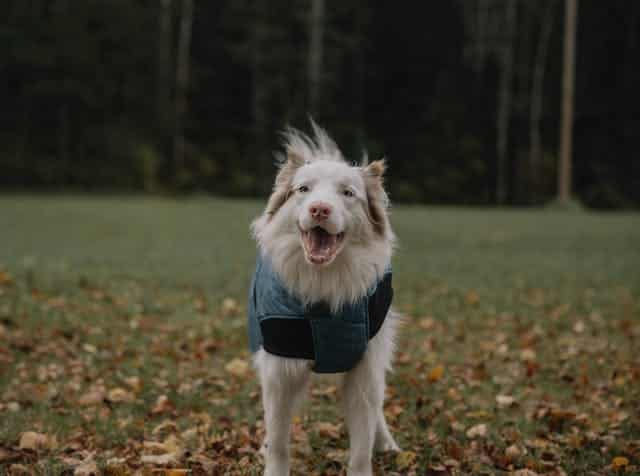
column 377, row 201
column 282, row 186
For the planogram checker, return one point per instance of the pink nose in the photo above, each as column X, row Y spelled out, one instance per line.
column 320, row 211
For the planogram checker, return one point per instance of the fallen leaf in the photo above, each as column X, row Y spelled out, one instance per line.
column 619, row 462
column 162, row 405
column 513, row 452
column 237, row 368
column 339, row 456
column 579, row 327
column 477, row 431
column 435, row 374
column 30, row 440
column 427, row 323
column 207, row 463
column 405, row 459
column 160, row 460
column 472, row 298
column 505, row 401
column 328, row 430
column 19, row 470
column 230, row 306
column 528, row 355
column 134, row 383
column 120, row 395
column 176, row 472
column 87, row 468
column 5, row 279
column 93, row 397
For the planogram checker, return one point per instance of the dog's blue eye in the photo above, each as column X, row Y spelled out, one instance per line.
column 303, row 189
column 347, row 193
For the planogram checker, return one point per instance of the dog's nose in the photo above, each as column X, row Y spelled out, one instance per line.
column 320, row 211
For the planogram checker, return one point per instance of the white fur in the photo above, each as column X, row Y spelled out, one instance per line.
column 366, row 252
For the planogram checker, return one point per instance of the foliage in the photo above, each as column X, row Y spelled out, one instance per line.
column 85, row 100
column 123, row 343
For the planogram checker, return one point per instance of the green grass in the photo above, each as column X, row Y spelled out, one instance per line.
column 541, row 305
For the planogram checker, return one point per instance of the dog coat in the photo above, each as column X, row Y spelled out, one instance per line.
column 336, row 342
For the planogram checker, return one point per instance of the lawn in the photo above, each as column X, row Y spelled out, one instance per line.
column 123, row 342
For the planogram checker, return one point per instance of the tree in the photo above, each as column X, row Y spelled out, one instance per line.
column 566, row 126
column 316, row 21
column 182, row 84
column 504, row 100
column 536, row 100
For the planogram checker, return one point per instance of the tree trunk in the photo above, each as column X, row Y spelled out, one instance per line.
column 566, row 127
column 481, row 18
column 315, row 53
column 537, row 88
column 260, row 156
column 504, row 101
column 163, row 73
column 182, row 85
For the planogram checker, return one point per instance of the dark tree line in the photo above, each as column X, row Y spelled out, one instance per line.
column 463, row 97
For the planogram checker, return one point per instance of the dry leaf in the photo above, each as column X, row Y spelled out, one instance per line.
column 405, row 459
column 525, row 472
column 162, row 405
column 238, row 368
column 328, row 430
column 513, row 452
column 87, row 468
column 230, row 306
column 427, row 323
column 19, row 470
column 176, row 472
column 120, row 395
column 472, row 298
column 528, row 355
column 619, row 462
column 5, row 279
column 505, row 401
column 30, row 440
column 134, row 383
column 93, row 397
column 477, row 431
column 435, row 374
column 160, row 460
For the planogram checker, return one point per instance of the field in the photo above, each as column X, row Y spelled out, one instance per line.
column 123, row 342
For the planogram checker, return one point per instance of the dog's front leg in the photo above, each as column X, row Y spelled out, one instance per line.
column 283, row 384
column 363, row 394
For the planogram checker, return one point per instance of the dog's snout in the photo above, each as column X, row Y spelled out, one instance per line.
column 320, row 211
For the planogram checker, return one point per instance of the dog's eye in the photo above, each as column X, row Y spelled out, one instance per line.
column 303, row 189
column 347, row 193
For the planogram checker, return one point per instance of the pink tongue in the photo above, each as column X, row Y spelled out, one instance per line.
column 321, row 241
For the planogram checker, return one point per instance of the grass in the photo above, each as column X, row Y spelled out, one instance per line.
column 131, row 299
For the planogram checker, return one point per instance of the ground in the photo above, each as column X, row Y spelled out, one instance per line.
column 123, row 342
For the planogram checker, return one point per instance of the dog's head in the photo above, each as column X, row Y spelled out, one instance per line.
column 325, row 217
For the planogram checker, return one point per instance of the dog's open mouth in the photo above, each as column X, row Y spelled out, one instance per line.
column 320, row 246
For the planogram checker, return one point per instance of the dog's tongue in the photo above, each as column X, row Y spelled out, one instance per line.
column 321, row 241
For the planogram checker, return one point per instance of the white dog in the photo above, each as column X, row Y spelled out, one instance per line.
column 325, row 246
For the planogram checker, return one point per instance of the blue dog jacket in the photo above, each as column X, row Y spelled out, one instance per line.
column 336, row 342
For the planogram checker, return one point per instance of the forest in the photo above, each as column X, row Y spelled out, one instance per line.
column 462, row 97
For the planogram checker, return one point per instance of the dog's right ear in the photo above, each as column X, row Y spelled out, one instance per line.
column 282, row 187
column 377, row 201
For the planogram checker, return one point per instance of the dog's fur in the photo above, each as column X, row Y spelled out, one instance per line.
column 313, row 171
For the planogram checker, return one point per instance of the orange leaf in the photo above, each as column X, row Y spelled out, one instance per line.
column 435, row 374
column 620, row 462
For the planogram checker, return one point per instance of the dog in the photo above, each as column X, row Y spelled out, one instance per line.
column 320, row 297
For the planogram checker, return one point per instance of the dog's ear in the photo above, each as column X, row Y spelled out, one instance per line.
column 282, row 186
column 377, row 201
